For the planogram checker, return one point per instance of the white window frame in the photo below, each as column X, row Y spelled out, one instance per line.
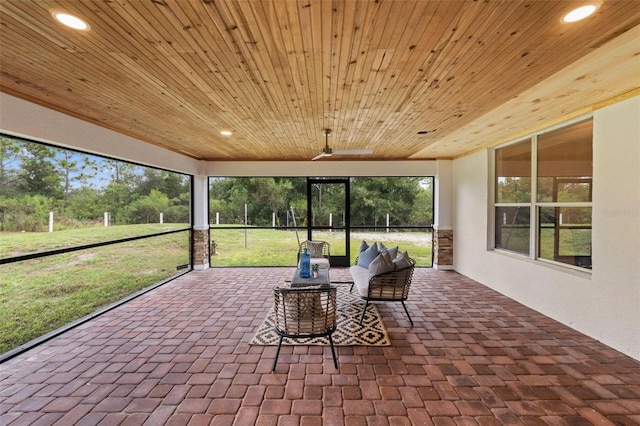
column 533, row 204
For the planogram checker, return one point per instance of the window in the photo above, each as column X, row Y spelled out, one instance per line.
column 543, row 188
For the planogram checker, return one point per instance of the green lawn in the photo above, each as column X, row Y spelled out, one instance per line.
column 18, row 243
column 40, row 295
column 266, row 247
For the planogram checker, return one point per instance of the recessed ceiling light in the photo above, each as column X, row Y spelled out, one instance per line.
column 226, row 133
column 70, row 21
column 580, row 13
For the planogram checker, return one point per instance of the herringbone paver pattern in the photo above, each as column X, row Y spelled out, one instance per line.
column 180, row 355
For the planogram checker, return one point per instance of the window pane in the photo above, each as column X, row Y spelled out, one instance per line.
column 565, row 166
column 512, row 229
column 565, row 235
column 513, row 173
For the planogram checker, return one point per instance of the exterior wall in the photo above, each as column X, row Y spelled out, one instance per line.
column 604, row 303
column 325, row 168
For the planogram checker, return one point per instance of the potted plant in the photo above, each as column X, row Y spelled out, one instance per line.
column 314, row 268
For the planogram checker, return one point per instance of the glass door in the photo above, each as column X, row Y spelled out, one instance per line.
column 328, row 216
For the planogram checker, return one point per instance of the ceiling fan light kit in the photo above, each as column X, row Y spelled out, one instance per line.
column 328, row 152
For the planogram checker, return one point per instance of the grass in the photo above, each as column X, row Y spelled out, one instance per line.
column 41, row 295
column 266, row 247
column 18, row 243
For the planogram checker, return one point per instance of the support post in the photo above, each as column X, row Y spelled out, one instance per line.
column 201, row 235
column 443, row 211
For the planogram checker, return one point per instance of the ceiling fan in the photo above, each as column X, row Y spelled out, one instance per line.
column 328, row 152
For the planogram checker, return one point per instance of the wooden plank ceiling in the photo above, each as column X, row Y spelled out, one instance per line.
column 175, row 73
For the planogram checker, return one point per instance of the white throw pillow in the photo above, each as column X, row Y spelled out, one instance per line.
column 393, row 252
column 402, row 261
column 381, row 264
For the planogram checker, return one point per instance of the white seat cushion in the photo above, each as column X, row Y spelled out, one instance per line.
column 360, row 277
column 322, row 262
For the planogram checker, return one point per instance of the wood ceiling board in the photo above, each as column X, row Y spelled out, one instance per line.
column 611, row 73
column 174, row 73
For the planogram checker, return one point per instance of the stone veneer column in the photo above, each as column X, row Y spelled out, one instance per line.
column 443, row 249
column 200, row 248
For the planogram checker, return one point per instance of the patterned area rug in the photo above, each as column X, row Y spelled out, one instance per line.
column 348, row 333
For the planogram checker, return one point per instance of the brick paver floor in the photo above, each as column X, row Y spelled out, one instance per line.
column 180, row 355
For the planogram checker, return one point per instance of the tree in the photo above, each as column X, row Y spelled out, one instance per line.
column 169, row 183
column 38, row 173
column 85, row 204
column 271, row 195
column 75, row 168
column 148, row 208
column 514, row 189
column 373, row 198
column 117, row 196
column 179, row 210
column 408, row 201
column 121, row 172
column 27, row 213
column 422, row 214
column 9, row 163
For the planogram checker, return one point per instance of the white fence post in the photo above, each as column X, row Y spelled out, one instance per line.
column 245, row 226
column 106, row 219
column 50, row 221
column 217, row 218
column 273, row 219
column 161, row 218
column 387, row 222
column 330, row 221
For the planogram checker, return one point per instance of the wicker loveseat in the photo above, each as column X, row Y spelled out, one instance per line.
column 390, row 286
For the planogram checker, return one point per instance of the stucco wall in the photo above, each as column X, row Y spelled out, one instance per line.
column 31, row 121
column 604, row 304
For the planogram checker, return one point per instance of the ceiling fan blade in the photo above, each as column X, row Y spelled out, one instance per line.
column 353, row 151
column 322, row 154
